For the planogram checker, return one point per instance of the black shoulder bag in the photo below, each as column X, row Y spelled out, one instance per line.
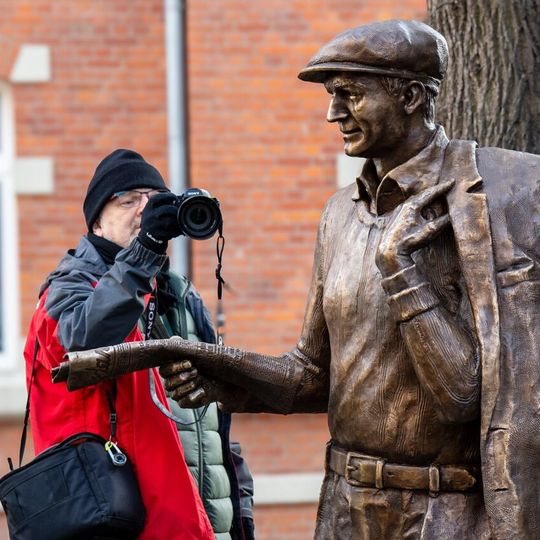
column 81, row 488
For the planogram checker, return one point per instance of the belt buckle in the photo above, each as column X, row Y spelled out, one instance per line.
column 351, row 468
column 377, row 462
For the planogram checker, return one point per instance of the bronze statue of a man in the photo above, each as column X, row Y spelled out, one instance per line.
column 421, row 336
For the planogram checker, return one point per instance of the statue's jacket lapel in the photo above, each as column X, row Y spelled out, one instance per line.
column 494, row 213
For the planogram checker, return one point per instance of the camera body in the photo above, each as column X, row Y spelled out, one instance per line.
column 199, row 215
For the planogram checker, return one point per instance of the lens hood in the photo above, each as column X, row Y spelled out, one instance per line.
column 199, row 215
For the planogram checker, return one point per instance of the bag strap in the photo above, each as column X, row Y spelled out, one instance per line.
column 113, row 417
column 22, row 444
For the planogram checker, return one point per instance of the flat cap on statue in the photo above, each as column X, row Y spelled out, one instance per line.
column 406, row 49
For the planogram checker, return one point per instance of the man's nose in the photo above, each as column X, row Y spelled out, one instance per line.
column 336, row 110
column 144, row 201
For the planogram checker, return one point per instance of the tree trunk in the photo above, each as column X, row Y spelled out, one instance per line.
column 491, row 91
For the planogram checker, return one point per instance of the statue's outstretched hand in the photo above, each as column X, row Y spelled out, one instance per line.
column 184, row 384
column 191, row 390
column 419, row 221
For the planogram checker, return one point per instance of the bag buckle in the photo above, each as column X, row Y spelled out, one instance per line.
column 118, row 457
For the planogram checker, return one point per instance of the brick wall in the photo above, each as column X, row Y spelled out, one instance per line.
column 259, row 142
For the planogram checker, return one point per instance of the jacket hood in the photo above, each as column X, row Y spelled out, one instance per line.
column 84, row 258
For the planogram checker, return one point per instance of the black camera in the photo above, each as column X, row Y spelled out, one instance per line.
column 199, row 216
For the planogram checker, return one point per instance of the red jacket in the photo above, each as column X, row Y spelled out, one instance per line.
column 85, row 304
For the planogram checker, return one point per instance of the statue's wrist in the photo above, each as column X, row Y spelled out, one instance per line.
column 409, row 294
column 402, row 279
column 412, row 302
column 394, row 262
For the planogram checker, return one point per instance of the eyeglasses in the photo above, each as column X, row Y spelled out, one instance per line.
column 134, row 197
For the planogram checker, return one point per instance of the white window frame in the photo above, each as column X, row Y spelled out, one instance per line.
column 11, row 365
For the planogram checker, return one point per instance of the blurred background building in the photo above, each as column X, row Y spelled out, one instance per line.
column 207, row 91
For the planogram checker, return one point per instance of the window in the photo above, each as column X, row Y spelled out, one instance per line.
column 9, row 307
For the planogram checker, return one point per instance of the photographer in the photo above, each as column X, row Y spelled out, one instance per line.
column 96, row 297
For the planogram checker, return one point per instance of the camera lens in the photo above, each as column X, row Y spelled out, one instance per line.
column 199, row 217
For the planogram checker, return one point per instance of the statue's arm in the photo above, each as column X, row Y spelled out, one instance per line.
column 297, row 381
column 443, row 352
column 292, row 382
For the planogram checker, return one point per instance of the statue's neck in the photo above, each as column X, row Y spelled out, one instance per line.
column 414, row 142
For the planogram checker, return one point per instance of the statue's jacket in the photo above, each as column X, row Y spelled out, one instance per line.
column 494, row 210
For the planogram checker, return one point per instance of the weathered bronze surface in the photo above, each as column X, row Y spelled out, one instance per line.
column 421, row 333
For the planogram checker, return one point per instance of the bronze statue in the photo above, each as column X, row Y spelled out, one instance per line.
column 421, row 336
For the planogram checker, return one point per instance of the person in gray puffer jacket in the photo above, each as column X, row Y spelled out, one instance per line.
column 221, row 474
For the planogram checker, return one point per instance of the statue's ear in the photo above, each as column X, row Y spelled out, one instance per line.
column 413, row 96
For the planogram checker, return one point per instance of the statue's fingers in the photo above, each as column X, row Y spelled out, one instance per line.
column 196, row 398
column 166, row 370
column 432, row 229
column 180, row 379
column 431, row 194
column 435, row 226
column 182, row 391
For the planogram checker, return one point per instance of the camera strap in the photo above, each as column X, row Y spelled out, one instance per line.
column 220, row 314
column 22, row 444
column 151, row 314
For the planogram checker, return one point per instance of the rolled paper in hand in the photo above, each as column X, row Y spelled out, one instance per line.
column 85, row 368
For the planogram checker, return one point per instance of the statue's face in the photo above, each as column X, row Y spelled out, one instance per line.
column 371, row 121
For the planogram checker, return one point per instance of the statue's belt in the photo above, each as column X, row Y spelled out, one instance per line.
column 361, row 470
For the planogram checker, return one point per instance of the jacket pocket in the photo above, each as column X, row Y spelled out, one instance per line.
column 522, row 271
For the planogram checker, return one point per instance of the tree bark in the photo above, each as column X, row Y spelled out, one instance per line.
column 491, row 91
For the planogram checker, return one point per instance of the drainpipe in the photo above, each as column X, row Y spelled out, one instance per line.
column 178, row 151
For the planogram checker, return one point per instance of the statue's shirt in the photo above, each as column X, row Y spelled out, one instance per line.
column 377, row 404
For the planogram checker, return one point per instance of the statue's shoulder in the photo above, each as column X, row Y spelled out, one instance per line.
column 509, row 176
column 338, row 207
column 511, row 181
column 343, row 195
column 509, row 166
column 492, row 158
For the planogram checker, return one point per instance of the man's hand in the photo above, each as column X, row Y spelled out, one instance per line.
column 158, row 222
column 414, row 226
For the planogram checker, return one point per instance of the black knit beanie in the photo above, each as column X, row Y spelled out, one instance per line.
column 121, row 170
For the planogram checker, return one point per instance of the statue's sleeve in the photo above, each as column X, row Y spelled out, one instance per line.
column 442, row 347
